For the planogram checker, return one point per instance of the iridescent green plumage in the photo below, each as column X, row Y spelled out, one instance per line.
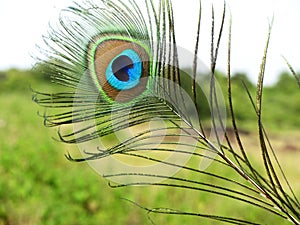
column 145, row 137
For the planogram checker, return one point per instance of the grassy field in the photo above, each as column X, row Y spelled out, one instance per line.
column 39, row 186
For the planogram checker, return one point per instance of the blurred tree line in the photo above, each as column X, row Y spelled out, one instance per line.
column 281, row 101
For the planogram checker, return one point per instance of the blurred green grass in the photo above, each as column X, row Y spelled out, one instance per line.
column 39, row 186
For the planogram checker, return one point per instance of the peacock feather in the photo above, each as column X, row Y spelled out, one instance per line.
column 137, row 115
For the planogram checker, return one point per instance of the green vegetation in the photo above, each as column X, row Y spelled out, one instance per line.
column 280, row 102
column 39, row 186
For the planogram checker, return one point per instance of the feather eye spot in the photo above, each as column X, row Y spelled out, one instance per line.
column 120, row 68
column 125, row 70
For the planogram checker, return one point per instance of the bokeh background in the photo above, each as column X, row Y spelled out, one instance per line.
column 39, row 186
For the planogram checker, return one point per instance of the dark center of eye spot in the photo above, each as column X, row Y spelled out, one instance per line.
column 120, row 67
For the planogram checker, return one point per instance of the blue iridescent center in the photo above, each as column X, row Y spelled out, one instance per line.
column 125, row 70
